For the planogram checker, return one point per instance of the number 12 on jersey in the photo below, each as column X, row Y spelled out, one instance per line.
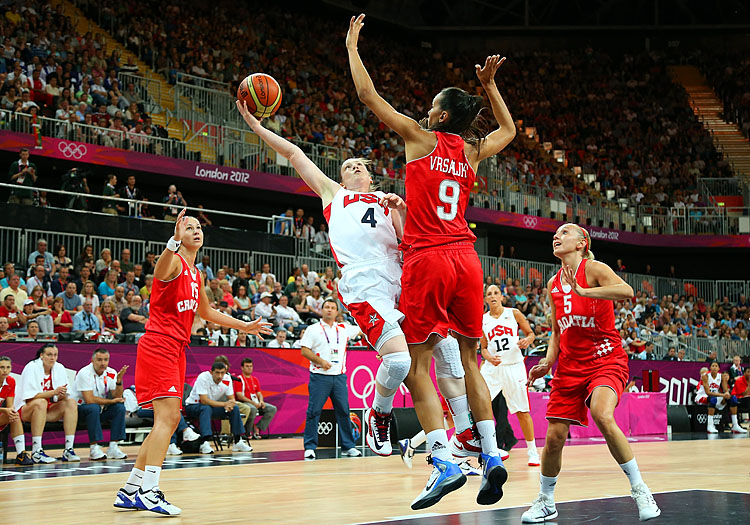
column 504, row 348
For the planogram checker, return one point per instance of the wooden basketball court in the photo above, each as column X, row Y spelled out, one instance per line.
column 274, row 485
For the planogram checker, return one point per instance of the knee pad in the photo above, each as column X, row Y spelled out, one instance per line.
column 733, row 402
column 447, row 357
column 394, row 369
column 712, row 401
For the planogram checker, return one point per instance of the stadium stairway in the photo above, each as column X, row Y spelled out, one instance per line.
column 708, row 108
column 159, row 89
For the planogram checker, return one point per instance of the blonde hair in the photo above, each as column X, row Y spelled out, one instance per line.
column 584, row 235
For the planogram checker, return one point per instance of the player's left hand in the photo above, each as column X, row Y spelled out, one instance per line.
column 355, row 26
column 258, row 327
column 523, row 343
column 180, row 225
column 122, row 372
column 486, row 74
column 393, row 201
column 253, row 122
column 570, row 278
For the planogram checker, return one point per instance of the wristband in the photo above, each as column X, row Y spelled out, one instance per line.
column 173, row 245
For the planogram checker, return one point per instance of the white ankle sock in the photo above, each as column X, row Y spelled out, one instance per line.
column 134, row 480
column 459, row 407
column 36, row 443
column 631, row 471
column 69, row 440
column 486, row 430
column 531, row 447
column 418, row 439
column 734, row 419
column 382, row 404
column 547, row 485
column 150, row 478
column 20, row 443
column 437, row 444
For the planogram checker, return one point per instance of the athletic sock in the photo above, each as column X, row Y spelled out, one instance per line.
column 69, row 440
column 459, row 407
column 531, row 447
column 134, row 480
column 36, row 443
column 20, row 443
column 382, row 404
column 418, row 439
column 631, row 471
column 486, row 431
column 150, row 478
column 547, row 485
column 734, row 419
column 437, row 444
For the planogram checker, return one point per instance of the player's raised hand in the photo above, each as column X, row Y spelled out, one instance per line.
column 393, row 201
column 355, row 26
column 570, row 278
column 258, row 327
column 253, row 122
column 180, row 225
column 486, row 74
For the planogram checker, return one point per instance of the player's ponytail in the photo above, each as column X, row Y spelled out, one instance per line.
column 587, row 253
column 464, row 115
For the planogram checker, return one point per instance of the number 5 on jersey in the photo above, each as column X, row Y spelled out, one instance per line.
column 567, row 304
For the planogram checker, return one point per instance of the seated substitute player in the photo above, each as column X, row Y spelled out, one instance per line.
column 203, row 404
column 8, row 415
column 592, row 368
column 503, row 369
column 251, row 395
column 42, row 395
column 93, row 384
column 363, row 230
column 714, row 392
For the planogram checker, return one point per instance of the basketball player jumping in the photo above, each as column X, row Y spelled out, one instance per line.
column 176, row 296
column 503, row 367
column 362, row 229
column 442, row 155
column 592, row 367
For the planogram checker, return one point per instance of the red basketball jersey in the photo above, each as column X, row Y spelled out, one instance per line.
column 173, row 303
column 437, row 193
column 587, row 326
column 7, row 389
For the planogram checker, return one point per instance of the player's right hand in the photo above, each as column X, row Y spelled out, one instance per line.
column 536, row 372
column 393, row 200
column 180, row 225
column 326, row 365
column 253, row 122
column 60, row 390
column 258, row 327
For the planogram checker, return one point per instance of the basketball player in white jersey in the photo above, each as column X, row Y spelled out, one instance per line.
column 503, row 369
column 363, row 229
column 714, row 392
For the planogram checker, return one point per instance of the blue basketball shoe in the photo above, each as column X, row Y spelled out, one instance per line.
column 446, row 477
column 494, row 476
column 124, row 500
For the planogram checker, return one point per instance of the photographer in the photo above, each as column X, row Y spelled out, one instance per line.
column 23, row 173
column 75, row 182
column 174, row 198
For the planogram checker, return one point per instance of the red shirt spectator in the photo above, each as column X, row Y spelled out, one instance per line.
column 740, row 385
column 250, row 386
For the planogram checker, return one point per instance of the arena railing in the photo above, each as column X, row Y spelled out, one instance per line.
column 240, row 148
column 696, row 348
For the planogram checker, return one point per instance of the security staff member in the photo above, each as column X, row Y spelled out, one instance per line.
column 324, row 344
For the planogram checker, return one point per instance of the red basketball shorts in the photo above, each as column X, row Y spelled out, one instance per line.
column 159, row 368
column 572, row 388
column 441, row 290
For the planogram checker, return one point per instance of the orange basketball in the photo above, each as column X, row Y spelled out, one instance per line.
column 262, row 94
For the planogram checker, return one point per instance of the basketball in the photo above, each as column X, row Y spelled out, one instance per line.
column 261, row 93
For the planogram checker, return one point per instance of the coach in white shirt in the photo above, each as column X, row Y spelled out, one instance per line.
column 203, row 404
column 93, row 383
column 324, row 345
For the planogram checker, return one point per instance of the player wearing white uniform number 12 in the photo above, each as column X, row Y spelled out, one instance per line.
column 363, row 230
column 503, row 369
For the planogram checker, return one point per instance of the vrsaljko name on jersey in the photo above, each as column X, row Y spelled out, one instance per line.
column 457, row 169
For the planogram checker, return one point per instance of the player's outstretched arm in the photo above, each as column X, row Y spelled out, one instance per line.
column 256, row 327
column 167, row 267
column 310, row 173
column 496, row 141
column 406, row 127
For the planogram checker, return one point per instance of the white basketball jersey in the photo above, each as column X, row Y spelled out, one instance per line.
column 714, row 385
column 502, row 336
column 359, row 228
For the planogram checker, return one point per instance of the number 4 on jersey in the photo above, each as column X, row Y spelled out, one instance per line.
column 369, row 218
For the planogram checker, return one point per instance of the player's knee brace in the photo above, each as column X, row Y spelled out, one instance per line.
column 394, row 369
column 733, row 402
column 447, row 357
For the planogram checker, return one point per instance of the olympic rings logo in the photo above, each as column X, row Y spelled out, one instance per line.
column 325, row 428
column 530, row 222
column 72, row 150
column 369, row 387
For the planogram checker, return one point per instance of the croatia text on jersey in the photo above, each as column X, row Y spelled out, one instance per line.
column 366, row 198
column 567, row 321
column 446, row 165
column 187, row 304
